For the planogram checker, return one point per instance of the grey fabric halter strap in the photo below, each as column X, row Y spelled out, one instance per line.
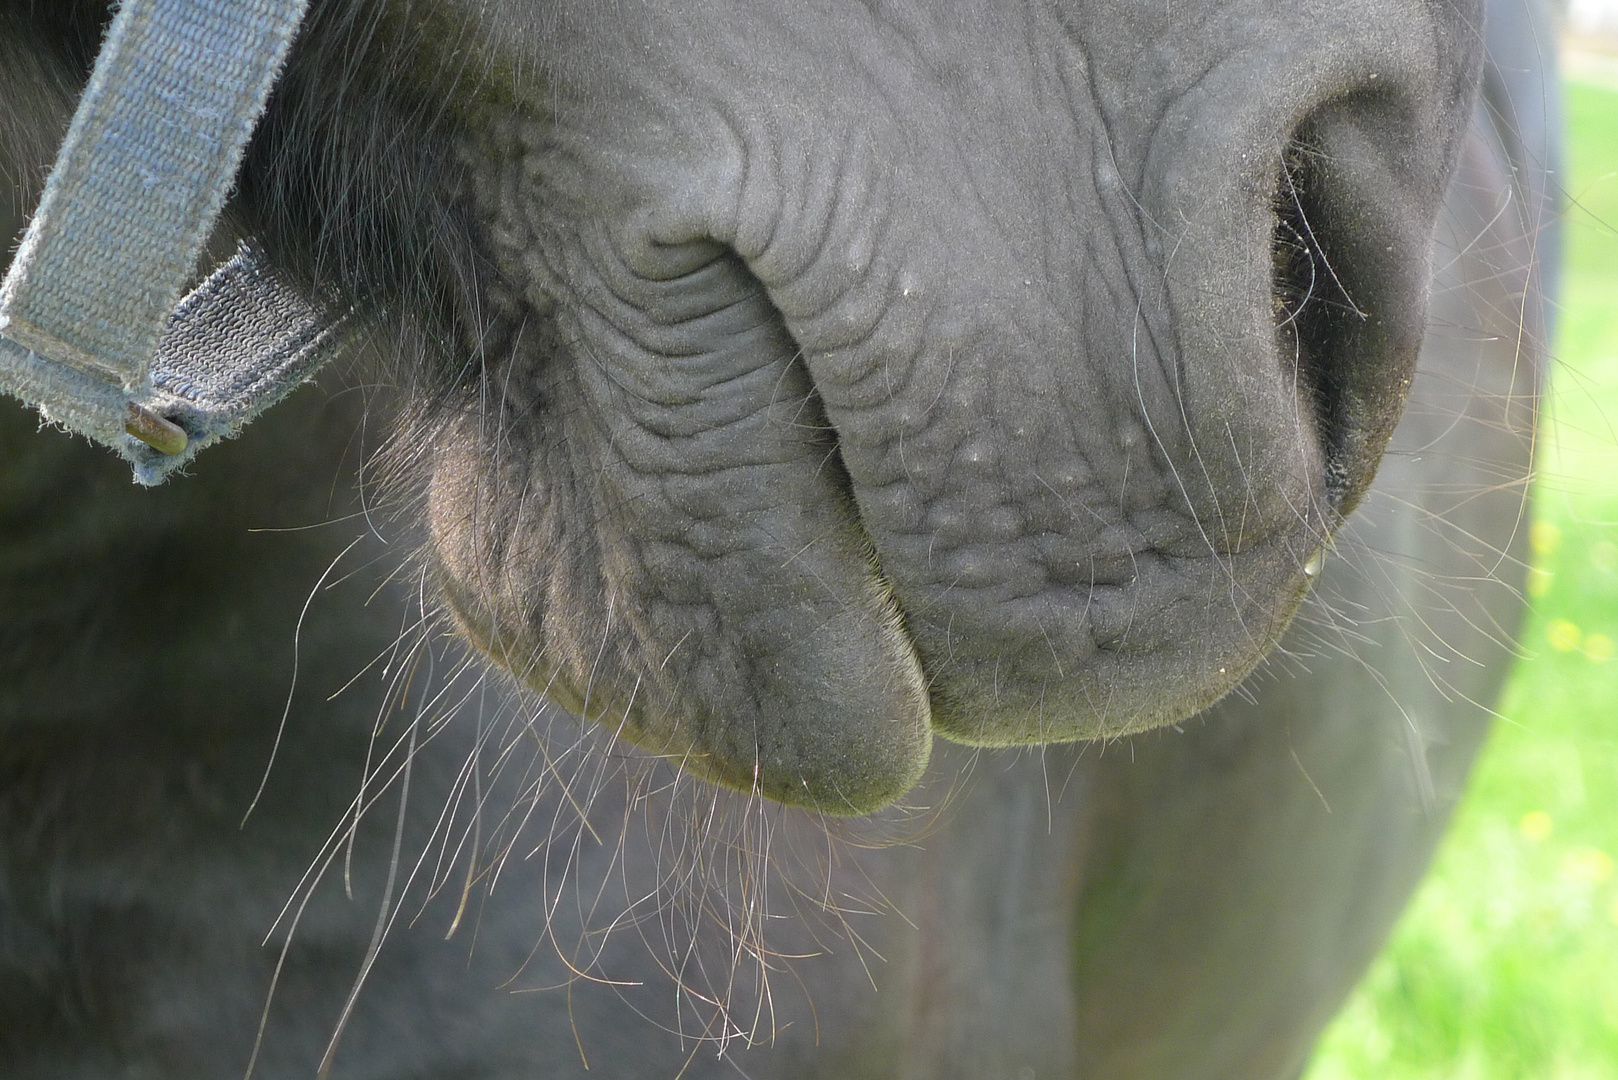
column 93, row 329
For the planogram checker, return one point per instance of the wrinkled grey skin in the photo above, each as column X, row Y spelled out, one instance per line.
column 918, row 371
column 786, row 384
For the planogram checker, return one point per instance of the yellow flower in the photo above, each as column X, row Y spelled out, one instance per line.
column 1536, row 825
column 1563, row 635
column 1599, row 648
column 1590, row 865
column 1544, row 537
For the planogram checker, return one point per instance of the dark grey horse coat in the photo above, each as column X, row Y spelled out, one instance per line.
column 1191, row 902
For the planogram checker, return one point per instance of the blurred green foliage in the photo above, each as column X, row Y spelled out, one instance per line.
column 1506, row 965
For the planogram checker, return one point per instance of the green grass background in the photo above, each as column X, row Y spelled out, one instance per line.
column 1505, row 967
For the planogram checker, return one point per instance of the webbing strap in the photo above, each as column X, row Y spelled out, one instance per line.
column 135, row 192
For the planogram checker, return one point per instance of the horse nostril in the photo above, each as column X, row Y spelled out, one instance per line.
column 1312, row 303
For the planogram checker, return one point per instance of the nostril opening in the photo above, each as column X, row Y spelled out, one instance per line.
column 1313, row 304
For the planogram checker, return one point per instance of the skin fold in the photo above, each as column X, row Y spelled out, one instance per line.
column 814, row 379
column 968, row 420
